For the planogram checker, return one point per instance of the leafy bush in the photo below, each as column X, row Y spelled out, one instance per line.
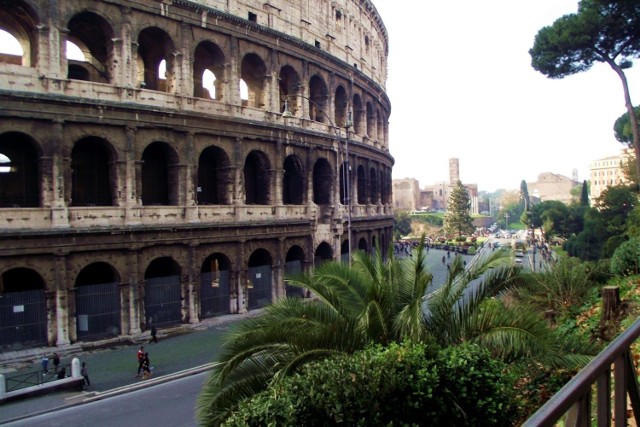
column 626, row 259
column 402, row 384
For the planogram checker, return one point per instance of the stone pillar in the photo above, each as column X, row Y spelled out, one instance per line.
column 64, row 322
column 278, row 291
column 135, row 283
column 193, row 288
column 132, row 183
column 189, row 181
column 243, row 277
column 233, row 81
column 59, row 215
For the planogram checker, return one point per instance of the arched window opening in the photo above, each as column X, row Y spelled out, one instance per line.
column 23, row 310
column 362, row 245
column 253, row 72
column 343, row 183
column 214, row 178
column 290, row 87
column 91, row 173
column 159, row 175
column 324, row 253
column 215, row 286
column 319, row 96
column 19, row 177
column 344, row 251
column 162, row 70
column 162, row 293
column 209, row 83
column 208, row 71
column 341, row 105
column 293, row 265
column 322, row 182
column 256, row 179
column 74, row 52
column 10, row 49
column 18, row 34
column 293, row 181
column 362, row 186
column 244, row 93
column 156, row 63
column 373, row 186
column 89, row 48
column 371, row 130
column 357, row 115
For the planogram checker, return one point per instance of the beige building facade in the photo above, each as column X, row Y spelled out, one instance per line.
column 608, row 172
column 552, row 186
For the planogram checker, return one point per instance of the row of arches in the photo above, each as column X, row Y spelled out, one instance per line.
column 95, row 176
column 206, row 68
column 100, row 302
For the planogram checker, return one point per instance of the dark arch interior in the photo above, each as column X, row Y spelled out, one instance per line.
column 21, row 279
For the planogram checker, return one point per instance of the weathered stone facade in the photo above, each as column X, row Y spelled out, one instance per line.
column 552, row 186
column 156, row 180
column 608, row 172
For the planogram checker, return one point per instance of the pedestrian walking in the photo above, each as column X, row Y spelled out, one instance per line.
column 45, row 364
column 140, row 360
column 56, row 362
column 154, row 333
column 85, row 373
column 146, row 367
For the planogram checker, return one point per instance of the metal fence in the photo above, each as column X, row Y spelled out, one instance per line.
column 162, row 301
column 33, row 378
column 260, row 294
column 214, row 294
column 98, row 311
column 23, row 320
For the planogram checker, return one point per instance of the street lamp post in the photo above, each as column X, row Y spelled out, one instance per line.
column 347, row 190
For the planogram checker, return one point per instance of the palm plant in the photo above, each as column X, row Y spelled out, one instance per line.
column 373, row 301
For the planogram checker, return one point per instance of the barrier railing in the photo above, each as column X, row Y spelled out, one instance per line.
column 610, row 377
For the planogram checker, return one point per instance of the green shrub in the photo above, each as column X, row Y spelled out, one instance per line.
column 402, row 384
column 626, row 259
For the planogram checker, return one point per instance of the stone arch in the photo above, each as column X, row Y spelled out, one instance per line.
column 289, row 89
column 208, row 71
column 341, row 106
column 379, row 127
column 257, row 182
column 322, row 182
column 19, row 171
column 97, row 305
column 371, row 121
column 92, row 172
column 21, row 21
column 93, row 35
column 293, row 181
column 362, row 245
column 214, row 177
column 160, row 174
column 344, row 251
column 294, row 264
column 343, row 183
column 323, row 253
column 154, row 47
column 319, row 99
column 252, row 72
column 259, row 279
column 374, row 191
column 162, row 293
column 215, row 286
column 362, row 185
column 357, row 114
column 23, row 310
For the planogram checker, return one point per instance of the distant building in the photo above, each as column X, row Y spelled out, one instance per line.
column 607, row 172
column 552, row 186
column 406, row 194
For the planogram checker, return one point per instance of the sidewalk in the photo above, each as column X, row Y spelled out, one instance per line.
column 178, row 351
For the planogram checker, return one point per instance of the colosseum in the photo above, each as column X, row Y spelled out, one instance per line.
column 167, row 161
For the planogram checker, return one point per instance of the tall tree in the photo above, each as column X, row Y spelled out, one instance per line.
column 606, row 31
column 524, row 195
column 584, row 194
column 457, row 219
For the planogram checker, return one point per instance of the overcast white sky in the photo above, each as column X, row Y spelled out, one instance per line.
column 461, row 85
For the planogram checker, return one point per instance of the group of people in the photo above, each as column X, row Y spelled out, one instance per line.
column 61, row 372
column 144, row 365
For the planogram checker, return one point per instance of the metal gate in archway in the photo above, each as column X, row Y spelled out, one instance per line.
column 23, row 320
column 214, row 294
column 260, row 294
column 98, row 311
column 293, row 267
column 162, row 302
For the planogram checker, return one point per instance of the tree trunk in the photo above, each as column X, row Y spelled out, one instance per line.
column 610, row 302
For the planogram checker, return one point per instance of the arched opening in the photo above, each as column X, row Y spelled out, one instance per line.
column 322, row 182
column 162, row 293
column 374, row 246
column 344, row 251
column 92, row 36
column 362, row 186
column 324, row 253
column 91, row 165
column 18, row 20
column 159, row 175
column 259, row 279
column 154, row 47
column 253, row 72
column 362, row 245
column 208, row 71
column 293, row 265
column 214, row 177
column 371, row 121
column 289, row 86
column 256, row 179
column 19, row 173
column 319, row 96
column 293, row 181
column 343, row 183
column 357, row 115
column 373, row 186
column 341, row 106
column 215, row 286
column 23, row 310
column 97, row 302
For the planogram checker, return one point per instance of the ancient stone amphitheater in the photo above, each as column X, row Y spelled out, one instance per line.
column 164, row 162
